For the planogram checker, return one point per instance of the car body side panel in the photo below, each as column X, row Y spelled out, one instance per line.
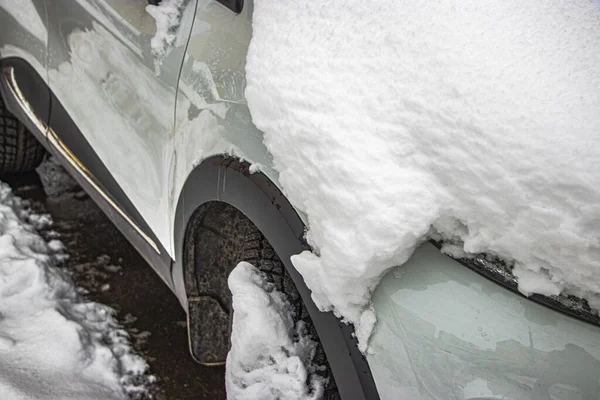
column 150, row 132
column 104, row 74
column 23, row 92
column 212, row 117
column 447, row 332
column 24, row 36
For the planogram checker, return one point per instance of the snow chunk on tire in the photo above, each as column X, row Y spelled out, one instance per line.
column 270, row 356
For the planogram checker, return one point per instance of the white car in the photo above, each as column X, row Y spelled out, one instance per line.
column 147, row 111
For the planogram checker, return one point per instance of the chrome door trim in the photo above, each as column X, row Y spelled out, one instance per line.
column 8, row 73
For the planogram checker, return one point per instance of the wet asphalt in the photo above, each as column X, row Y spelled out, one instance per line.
column 110, row 271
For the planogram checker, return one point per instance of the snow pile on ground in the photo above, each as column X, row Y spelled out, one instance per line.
column 394, row 119
column 270, row 356
column 167, row 15
column 53, row 343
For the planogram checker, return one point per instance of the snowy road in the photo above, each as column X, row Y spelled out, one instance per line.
column 105, row 265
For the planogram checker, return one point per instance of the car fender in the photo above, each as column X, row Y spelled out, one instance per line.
column 228, row 179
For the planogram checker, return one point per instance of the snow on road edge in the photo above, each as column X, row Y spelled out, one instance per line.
column 270, row 356
column 393, row 120
column 54, row 344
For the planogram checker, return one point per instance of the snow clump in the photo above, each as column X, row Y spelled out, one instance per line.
column 270, row 356
column 167, row 15
column 393, row 120
column 53, row 343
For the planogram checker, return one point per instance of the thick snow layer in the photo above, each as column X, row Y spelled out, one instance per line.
column 167, row 15
column 53, row 343
column 393, row 119
column 270, row 356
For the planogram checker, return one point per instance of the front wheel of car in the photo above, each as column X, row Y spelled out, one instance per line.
column 19, row 149
column 218, row 238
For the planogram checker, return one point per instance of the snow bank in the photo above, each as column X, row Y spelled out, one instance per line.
column 167, row 15
column 270, row 356
column 394, row 119
column 53, row 343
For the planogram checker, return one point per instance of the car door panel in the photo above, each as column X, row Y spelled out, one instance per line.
column 102, row 71
column 24, row 37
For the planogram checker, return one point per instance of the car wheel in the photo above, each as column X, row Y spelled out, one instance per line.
column 218, row 238
column 19, row 149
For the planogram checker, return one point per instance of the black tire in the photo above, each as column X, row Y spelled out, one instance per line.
column 19, row 149
column 218, row 239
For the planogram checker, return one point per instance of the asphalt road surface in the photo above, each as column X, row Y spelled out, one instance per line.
column 105, row 265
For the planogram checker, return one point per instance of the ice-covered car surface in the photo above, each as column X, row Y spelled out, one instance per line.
column 445, row 332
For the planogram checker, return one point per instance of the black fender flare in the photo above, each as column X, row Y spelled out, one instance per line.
column 228, row 179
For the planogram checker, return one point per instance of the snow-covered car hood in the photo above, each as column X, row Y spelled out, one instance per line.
column 393, row 121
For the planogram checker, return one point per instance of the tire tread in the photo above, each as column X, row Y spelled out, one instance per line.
column 19, row 149
column 222, row 237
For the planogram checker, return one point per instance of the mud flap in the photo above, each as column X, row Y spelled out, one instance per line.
column 208, row 330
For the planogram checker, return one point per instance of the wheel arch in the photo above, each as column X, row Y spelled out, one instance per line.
column 228, row 179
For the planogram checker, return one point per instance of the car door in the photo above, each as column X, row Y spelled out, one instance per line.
column 120, row 93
